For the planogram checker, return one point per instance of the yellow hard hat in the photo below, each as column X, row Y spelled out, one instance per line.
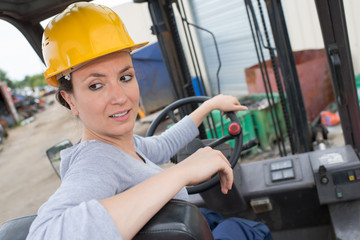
column 82, row 32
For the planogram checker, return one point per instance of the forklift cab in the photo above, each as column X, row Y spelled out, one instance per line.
column 304, row 194
column 300, row 194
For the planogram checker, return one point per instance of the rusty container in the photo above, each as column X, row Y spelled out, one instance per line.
column 314, row 78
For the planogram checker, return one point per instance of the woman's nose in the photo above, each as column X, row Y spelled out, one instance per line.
column 117, row 93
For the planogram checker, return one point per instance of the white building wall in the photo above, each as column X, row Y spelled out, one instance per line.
column 228, row 21
column 352, row 8
column 137, row 20
column 304, row 27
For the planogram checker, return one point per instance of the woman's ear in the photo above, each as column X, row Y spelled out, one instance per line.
column 69, row 98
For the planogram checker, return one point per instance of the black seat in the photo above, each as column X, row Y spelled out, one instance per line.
column 177, row 220
column 16, row 229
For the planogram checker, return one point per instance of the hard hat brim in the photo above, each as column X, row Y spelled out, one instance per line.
column 52, row 79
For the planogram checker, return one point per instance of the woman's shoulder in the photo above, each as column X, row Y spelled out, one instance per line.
column 88, row 148
column 89, row 153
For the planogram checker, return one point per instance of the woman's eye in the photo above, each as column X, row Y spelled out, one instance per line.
column 126, row 78
column 95, row 86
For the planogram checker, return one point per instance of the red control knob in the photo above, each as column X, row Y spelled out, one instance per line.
column 234, row 128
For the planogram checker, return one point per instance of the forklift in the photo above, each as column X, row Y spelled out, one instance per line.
column 307, row 194
column 301, row 194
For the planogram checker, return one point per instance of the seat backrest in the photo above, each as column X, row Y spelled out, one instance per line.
column 16, row 229
column 177, row 220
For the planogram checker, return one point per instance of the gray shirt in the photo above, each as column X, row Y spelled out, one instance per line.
column 93, row 170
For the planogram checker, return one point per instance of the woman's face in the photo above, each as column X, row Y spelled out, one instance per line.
column 105, row 96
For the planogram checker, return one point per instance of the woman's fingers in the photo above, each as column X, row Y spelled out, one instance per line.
column 226, row 180
column 226, row 175
column 227, row 103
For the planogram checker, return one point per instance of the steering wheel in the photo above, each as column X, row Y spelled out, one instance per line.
column 234, row 130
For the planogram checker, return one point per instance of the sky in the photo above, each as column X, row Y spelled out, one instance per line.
column 17, row 58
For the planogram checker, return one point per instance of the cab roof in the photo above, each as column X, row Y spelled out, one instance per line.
column 33, row 11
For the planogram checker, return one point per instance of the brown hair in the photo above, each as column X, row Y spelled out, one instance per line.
column 64, row 85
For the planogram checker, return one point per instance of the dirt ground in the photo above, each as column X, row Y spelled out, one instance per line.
column 26, row 176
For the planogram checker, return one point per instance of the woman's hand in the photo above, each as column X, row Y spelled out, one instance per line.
column 225, row 103
column 221, row 102
column 203, row 164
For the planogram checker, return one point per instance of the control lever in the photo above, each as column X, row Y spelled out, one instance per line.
column 336, row 63
column 322, row 172
column 249, row 144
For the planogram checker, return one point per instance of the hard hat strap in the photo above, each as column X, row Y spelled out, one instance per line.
column 68, row 77
column 67, row 73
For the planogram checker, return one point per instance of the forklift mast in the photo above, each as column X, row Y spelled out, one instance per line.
column 334, row 30
column 333, row 25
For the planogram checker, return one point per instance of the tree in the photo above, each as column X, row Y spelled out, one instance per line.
column 33, row 81
column 36, row 80
column 4, row 78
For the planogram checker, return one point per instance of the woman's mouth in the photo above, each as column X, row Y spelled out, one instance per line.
column 117, row 115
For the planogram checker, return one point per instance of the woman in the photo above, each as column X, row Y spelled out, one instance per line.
column 111, row 185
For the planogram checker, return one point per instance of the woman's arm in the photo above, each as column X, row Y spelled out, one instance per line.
column 221, row 102
column 159, row 149
column 132, row 209
column 172, row 140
